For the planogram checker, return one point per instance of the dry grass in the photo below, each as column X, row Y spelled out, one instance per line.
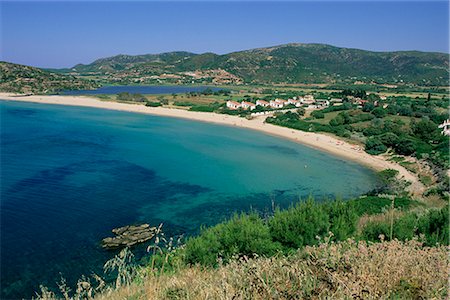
column 399, row 270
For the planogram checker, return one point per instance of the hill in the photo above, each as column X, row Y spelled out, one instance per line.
column 24, row 79
column 290, row 63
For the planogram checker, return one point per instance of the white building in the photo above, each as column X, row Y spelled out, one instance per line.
column 445, row 127
column 276, row 104
column 294, row 102
column 247, row 105
column 308, row 98
column 322, row 103
column 262, row 103
column 233, row 105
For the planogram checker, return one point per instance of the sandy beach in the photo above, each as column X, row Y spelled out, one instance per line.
column 315, row 140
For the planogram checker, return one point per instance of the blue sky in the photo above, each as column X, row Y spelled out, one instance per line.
column 62, row 34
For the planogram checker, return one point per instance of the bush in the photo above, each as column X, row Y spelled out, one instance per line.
column 301, row 111
column 386, row 176
column 342, row 217
column 374, row 146
column 299, row 225
column 379, row 112
column 153, row 104
column 368, row 107
column 426, row 130
column 375, row 205
column 242, row 235
column 125, row 96
column 317, row 114
column 183, row 103
column 389, row 139
column 434, row 226
column 405, row 146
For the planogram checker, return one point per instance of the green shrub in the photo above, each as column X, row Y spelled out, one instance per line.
column 374, row 205
column 242, row 235
column 386, row 176
column 374, row 146
column 405, row 146
column 343, row 218
column 379, row 112
column 202, row 108
column 433, row 226
column 317, row 114
column 299, row 225
column 389, row 139
column 153, row 104
column 183, row 103
column 373, row 230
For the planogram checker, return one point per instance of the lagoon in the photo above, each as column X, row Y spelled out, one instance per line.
column 141, row 89
column 71, row 174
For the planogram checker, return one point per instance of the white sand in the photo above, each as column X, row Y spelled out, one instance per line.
column 315, row 140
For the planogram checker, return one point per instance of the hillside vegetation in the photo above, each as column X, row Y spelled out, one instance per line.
column 312, row 250
column 284, row 64
column 344, row 270
column 290, row 63
column 16, row 78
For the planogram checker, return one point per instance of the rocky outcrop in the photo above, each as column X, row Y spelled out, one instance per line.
column 128, row 236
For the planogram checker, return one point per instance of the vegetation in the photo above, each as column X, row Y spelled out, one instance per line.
column 125, row 96
column 344, row 270
column 28, row 80
column 404, row 125
column 311, row 249
column 291, row 63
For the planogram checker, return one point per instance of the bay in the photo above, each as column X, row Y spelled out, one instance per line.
column 71, row 174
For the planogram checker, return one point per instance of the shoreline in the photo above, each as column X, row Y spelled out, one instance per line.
column 318, row 141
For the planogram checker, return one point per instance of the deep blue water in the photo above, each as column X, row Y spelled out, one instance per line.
column 71, row 174
column 141, row 89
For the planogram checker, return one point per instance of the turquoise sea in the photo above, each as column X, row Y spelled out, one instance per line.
column 70, row 174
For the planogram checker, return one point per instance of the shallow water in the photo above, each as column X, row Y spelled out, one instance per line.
column 71, row 174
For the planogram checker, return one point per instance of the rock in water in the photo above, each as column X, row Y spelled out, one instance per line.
column 128, row 236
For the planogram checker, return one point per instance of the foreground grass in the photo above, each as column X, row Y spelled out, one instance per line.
column 348, row 269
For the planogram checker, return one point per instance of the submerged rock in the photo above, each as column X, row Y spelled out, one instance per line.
column 128, row 236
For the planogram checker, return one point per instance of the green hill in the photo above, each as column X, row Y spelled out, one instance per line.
column 24, row 79
column 285, row 64
column 290, row 63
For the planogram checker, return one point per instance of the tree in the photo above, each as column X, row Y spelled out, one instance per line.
column 379, row 112
column 405, row 146
column 301, row 111
column 405, row 110
column 368, row 106
column 426, row 130
column 389, row 139
column 374, row 146
column 317, row 114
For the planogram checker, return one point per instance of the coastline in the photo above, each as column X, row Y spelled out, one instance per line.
column 319, row 141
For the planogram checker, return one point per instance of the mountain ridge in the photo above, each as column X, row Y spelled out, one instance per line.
column 293, row 63
column 287, row 63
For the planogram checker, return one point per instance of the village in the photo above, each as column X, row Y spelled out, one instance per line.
column 306, row 101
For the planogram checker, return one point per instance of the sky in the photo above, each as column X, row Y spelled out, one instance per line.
column 58, row 34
